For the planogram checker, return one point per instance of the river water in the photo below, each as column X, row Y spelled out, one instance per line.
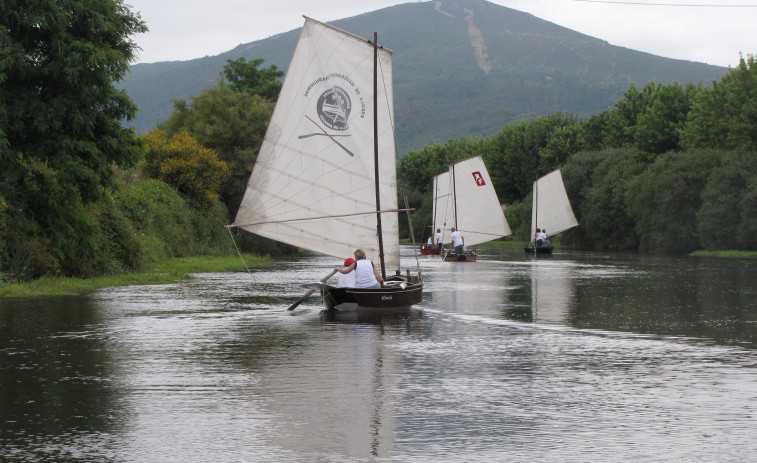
column 570, row 358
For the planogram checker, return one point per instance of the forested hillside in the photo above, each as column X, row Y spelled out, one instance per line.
column 461, row 68
column 668, row 168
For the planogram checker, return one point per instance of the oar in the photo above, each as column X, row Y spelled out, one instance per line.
column 299, row 301
column 310, row 291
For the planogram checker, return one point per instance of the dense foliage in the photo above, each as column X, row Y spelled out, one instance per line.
column 77, row 197
column 60, row 128
column 244, row 76
column 669, row 168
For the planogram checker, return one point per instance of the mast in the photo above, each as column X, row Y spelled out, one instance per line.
column 376, row 155
column 454, row 195
column 536, row 208
column 436, row 204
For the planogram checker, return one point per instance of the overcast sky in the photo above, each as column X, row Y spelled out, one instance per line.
column 709, row 31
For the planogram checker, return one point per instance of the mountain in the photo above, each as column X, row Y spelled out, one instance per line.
column 461, row 67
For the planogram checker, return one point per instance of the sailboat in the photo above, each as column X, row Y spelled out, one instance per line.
column 325, row 177
column 551, row 210
column 464, row 199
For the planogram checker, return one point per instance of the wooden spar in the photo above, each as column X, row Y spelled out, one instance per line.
column 316, row 218
column 376, row 155
column 423, row 233
column 536, row 209
column 435, row 203
column 454, row 194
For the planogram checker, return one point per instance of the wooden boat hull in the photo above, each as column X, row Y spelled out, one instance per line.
column 467, row 256
column 539, row 250
column 390, row 296
column 427, row 250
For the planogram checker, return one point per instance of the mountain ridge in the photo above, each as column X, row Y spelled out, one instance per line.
column 461, row 68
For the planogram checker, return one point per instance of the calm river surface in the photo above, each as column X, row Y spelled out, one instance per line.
column 573, row 358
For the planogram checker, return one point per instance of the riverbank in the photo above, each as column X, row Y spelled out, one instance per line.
column 726, row 254
column 161, row 272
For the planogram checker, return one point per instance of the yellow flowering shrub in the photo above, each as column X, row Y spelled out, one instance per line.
column 195, row 171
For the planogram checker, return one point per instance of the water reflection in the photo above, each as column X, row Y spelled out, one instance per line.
column 573, row 357
column 552, row 290
column 54, row 370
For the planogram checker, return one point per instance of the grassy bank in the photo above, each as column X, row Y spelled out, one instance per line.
column 727, row 254
column 162, row 272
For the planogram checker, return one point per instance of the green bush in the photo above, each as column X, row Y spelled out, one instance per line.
column 518, row 215
column 597, row 182
column 728, row 215
column 663, row 201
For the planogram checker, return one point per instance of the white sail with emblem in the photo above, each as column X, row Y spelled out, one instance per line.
column 313, row 182
column 479, row 214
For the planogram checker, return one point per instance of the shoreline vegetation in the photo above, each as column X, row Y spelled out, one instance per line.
column 517, row 244
column 726, row 254
column 173, row 270
column 165, row 271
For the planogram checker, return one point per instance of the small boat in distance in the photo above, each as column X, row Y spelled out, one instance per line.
column 429, row 250
column 551, row 211
column 325, row 177
column 464, row 199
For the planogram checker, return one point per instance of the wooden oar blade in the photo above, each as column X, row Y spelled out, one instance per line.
column 300, row 300
column 313, row 287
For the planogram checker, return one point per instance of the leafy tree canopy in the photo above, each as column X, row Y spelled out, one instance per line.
column 243, row 75
column 61, row 127
column 725, row 114
column 59, row 106
column 231, row 123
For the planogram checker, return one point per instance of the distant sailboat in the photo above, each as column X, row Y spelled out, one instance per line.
column 325, row 177
column 464, row 199
column 551, row 210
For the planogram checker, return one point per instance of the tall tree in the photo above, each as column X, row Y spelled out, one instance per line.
column 231, row 123
column 663, row 201
column 60, row 114
column 245, row 76
column 658, row 128
column 60, row 106
column 725, row 115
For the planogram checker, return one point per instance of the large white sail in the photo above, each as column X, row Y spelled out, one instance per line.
column 444, row 207
column 551, row 206
column 479, row 215
column 313, row 182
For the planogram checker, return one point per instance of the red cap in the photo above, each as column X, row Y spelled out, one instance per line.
column 349, row 262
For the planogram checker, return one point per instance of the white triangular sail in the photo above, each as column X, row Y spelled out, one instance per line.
column 551, row 206
column 313, row 182
column 444, row 208
column 479, row 214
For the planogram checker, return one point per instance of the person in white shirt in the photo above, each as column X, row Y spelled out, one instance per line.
column 366, row 274
column 439, row 240
column 458, row 241
column 539, row 237
column 347, row 280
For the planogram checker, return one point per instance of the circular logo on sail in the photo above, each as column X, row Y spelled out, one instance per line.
column 334, row 107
